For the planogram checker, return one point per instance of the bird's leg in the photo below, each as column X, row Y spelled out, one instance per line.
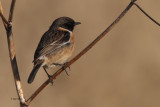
column 49, row 76
column 63, row 66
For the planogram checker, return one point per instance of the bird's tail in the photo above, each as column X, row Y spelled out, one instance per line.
column 34, row 72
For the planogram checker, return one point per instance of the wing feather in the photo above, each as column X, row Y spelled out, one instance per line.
column 50, row 41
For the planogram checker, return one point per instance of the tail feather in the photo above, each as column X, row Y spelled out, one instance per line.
column 33, row 73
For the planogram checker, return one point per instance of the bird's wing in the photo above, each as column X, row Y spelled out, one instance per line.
column 51, row 41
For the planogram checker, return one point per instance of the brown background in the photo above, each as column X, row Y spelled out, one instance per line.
column 122, row 70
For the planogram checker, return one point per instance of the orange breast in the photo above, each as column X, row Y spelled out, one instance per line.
column 61, row 55
column 72, row 39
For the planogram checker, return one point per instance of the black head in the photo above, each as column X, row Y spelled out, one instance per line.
column 64, row 22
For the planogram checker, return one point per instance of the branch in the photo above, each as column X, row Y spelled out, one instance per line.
column 82, row 52
column 11, row 11
column 12, row 54
column 146, row 14
column 5, row 22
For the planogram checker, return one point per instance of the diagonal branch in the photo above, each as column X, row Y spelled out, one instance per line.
column 146, row 14
column 82, row 52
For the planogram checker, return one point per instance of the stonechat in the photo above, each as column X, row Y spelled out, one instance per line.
column 55, row 46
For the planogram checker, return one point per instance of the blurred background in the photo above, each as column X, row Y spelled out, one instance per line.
column 122, row 70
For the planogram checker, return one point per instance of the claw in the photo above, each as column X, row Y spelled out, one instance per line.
column 64, row 67
column 69, row 68
column 50, row 80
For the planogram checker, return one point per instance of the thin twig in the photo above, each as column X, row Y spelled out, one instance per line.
column 13, row 55
column 82, row 52
column 146, row 14
column 5, row 22
column 4, row 19
column 11, row 11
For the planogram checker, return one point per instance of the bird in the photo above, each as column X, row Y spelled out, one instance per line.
column 55, row 46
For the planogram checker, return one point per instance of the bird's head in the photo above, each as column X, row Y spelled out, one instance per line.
column 64, row 22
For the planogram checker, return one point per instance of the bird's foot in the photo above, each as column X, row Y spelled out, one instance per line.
column 50, row 79
column 64, row 67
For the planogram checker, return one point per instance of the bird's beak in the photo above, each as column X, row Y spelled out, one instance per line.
column 77, row 23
